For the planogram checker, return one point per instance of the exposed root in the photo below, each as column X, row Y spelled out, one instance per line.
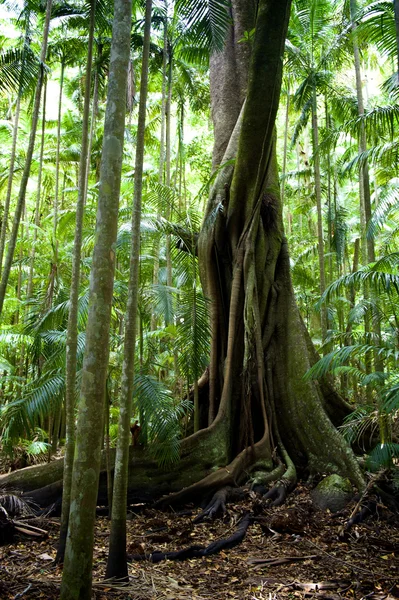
column 215, row 506
column 261, row 478
column 199, row 551
column 218, row 503
column 369, row 508
column 229, row 476
column 279, row 492
column 233, row 540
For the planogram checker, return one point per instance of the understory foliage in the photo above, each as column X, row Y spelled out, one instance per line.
column 172, row 350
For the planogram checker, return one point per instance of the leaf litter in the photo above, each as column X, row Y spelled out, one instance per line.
column 289, row 552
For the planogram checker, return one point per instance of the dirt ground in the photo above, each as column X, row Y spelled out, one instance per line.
column 304, row 553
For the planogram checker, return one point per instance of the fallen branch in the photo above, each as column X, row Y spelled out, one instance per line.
column 28, row 529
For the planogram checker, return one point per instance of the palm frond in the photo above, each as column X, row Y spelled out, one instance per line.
column 382, row 456
column 207, row 22
column 388, row 203
column 337, row 359
column 162, row 418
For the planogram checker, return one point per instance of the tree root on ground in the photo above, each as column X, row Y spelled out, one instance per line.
column 218, row 503
column 368, row 509
column 277, row 495
column 215, row 506
column 199, row 551
column 231, row 475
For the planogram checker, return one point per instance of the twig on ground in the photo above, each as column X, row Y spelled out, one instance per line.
column 370, row 484
column 23, row 592
column 345, row 562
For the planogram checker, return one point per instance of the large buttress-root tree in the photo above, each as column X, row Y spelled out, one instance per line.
column 260, row 348
column 262, row 418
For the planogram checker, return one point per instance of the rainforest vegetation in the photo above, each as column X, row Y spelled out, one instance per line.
column 198, row 251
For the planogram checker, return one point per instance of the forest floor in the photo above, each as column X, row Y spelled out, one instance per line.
column 309, row 554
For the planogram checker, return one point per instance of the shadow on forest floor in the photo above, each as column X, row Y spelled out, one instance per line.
column 306, row 554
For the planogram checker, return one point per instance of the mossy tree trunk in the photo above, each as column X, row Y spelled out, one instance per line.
column 260, row 348
column 72, row 330
column 320, row 232
column 117, row 558
column 77, row 576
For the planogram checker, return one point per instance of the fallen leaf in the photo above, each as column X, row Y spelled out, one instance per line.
column 45, row 556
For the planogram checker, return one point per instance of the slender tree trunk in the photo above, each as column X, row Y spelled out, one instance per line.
column 320, row 235
column 155, row 277
column 56, row 430
column 367, row 245
column 92, row 131
column 284, row 169
column 57, row 163
column 107, row 452
column 396, row 11
column 330, row 275
column 4, row 222
column 28, row 161
column 38, row 197
column 72, row 330
column 77, row 576
column 117, row 559
column 168, row 166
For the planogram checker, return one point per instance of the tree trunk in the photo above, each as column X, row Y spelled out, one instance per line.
column 117, row 558
column 367, row 242
column 285, row 153
column 77, row 576
column 57, row 163
column 94, row 112
column 396, row 11
column 38, row 196
column 155, row 276
column 28, row 160
column 320, row 235
column 72, row 329
column 260, row 347
column 4, row 222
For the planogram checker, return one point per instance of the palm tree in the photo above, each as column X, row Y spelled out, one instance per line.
column 22, row 64
column 311, row 38
column 28, row 161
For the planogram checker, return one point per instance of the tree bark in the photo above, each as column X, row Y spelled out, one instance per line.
column 38, row 197
column 77, row 576
column 57, row 162
column 28, row 160
column 117, row 558
column 72, row 329
column 4, row 222
column 155, row 276
column 320, row 234
column 259, row 350
column 260, row 347
column 367, row 242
